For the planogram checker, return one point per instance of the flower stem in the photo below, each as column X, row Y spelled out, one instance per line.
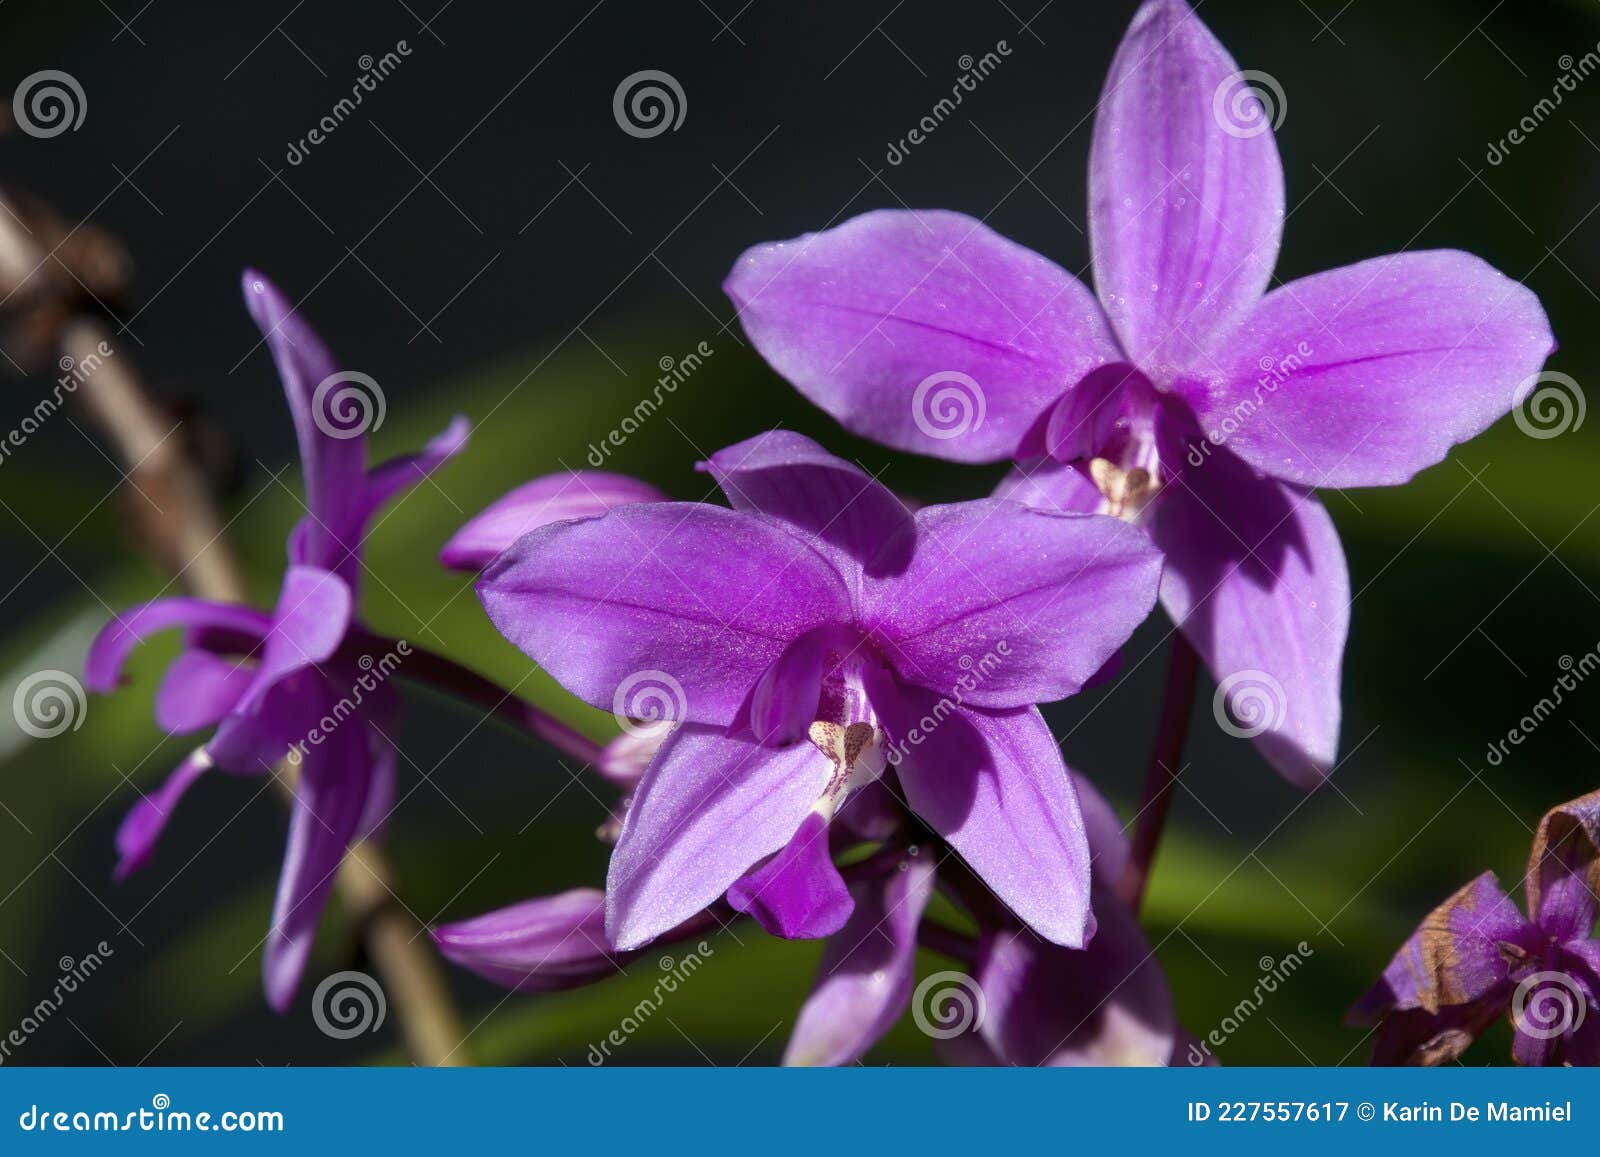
column 446, row 674
column 1177, row 700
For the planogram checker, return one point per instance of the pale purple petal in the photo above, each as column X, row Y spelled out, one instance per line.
column 1185, row 188
column 707, row 597
column 1108, row 1004
column 334, row 467
column 400, row 474
column 796, row 893
column 142, row 826
column 926, row 331
column 116, row 641
column 1363, row 376
column 1010, row 605
column 1256, row 578
column 329, row 801
column 310, row 621
column 540, row 945
column 624, row 759
column 789, row 476
column 552, row 498
column 1107, row 835
column 993, row 785
column 1054, row 487
column 1563, row 880
column 709, row 807
column 199, row 689
column 864, row 981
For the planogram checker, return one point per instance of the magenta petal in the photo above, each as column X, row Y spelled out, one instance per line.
column 1563, row 880
column 1108, row 1004
column 199, row 689
column 784, row 703
column 310, row 621
column 1011, row 605
column 926, row 331
column 694, row 600
column 329, row 802
column 399, row 474
column 334, row 467
column 797, row 893
column 142, row 826
column 1185, row 188
column 553, row 498
column 1108, row 838
column 1363, row 376
column 380, row 788
column 1256, row 578
column 1454, row 957
column 864, row 981
column 539, row 945
column 1054, row 487
column 116, row 641
column 789, row 476
column 708, row 808
column 993, row 784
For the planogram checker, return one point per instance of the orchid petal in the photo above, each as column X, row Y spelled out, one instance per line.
column 1563, row 880
column 1363, row 376
column 797, row 893
column 693, row 598
column 116, row 641
column 926, row 331
column 708, row 808
column 541, row 945
column 1185, row 188
column 199, row 689
column 553, row 498
column 399, row 474
column 142, row 826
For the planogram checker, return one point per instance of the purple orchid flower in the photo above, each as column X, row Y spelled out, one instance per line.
column 1475, row 957
column 1183, row 397
column 271, row 684
column 804, row 641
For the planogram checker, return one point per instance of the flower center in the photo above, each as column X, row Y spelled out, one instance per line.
column 1107, row 425
column 846, row 728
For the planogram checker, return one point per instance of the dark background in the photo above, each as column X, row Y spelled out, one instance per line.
column 480, row 236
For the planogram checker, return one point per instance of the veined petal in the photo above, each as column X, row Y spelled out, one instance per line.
column 669, row 592
column 993, row 784
column 116, row 641
column 145, row 821
column 1185, row 188
column 926, row 331
column 864, row 981
column 1107, row 1004
column 836, row 503
column 797, row 893
column 1009, row 605
column 1454, row 957
column 1256, row 579
column 540, row 945
column 1363, row 376
column 334, row 467
column 552, row 498
column 329, row 801
column 199, row 689
column 1563, row 881
column 708, row 808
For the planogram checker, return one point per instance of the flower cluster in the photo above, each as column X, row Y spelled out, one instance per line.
column 853, row 726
